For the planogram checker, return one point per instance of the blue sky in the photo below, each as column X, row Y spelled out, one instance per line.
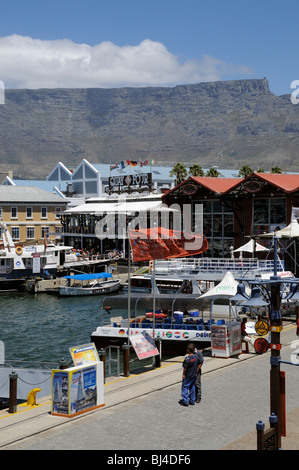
column 148, row 43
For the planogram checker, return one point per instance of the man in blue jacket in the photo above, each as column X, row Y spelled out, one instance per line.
column 191, row 366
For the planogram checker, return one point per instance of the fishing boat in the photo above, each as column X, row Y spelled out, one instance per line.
column 87, row 284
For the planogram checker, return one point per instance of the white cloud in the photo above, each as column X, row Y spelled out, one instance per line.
column 34, row 63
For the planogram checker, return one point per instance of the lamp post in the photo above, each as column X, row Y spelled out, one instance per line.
column 275, row 380
column 271, row 289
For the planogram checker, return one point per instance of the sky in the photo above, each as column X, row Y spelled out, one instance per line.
column 116, row 43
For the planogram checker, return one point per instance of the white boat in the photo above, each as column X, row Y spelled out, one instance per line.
column 178, row 282
column 168, row 283
column 175, row 333
column 19, row 263
column 88, row 284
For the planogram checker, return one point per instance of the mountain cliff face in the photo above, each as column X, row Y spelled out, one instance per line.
column 229, row 124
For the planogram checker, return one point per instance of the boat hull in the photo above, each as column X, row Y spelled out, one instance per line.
column 11, row 285
column 173, row 341
column 66, row 291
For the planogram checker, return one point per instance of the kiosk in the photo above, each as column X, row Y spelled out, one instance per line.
column 79, row 388
column 226, row 339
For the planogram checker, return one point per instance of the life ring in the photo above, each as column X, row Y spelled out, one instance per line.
column 19, row 250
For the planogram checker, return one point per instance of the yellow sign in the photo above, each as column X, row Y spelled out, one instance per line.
column 261, row 327
column 84, row 354
column 276, row 329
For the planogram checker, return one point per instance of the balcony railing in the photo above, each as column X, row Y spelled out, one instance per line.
column 216, row 265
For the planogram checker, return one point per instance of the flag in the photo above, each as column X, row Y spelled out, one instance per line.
column 143, row 162
column 113, row 167
column 128, row 162
column 133, row 163
column 161, row 243
column 122, row 165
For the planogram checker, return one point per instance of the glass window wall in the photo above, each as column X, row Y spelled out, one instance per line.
column 218, row 227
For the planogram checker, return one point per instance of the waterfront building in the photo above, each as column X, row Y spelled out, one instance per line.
column 31, row 213
column 237, row 209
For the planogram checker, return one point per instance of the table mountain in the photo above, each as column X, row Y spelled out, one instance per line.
column 228, row 123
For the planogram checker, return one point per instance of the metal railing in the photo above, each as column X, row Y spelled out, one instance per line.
column 204, row 265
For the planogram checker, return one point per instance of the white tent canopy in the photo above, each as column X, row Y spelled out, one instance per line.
column 251, row 247
column 226, row 288
column 291, row 231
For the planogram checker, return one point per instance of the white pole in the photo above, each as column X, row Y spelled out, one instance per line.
column 129, row 283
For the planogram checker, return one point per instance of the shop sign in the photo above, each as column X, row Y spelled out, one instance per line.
column 136, row 181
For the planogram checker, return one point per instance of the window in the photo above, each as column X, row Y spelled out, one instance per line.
column 29, row 213
column 45, row 231
column 58, row 211
column 30, row 233
column 15, row 233
column 44, row 213
column 218, row 227
column 14, row 213
column 268, row 214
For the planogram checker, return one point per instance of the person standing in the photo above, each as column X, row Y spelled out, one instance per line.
column 191, row 366
column 198, row 377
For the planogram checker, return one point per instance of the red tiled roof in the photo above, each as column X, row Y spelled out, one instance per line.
column 216, row 184
column 287, row 182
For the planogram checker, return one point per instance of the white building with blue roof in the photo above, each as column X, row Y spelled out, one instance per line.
column 90, row 180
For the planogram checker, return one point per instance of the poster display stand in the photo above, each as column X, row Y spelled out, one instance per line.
column 143, row 345
column 80, row 388
column 226, row 339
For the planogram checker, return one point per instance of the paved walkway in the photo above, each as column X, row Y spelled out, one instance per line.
column 142, row 411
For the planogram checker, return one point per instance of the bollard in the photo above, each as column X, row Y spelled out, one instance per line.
column 126, row 359
column 260, row 426
column 102, row 356
column 13, row 379
column 63, row 364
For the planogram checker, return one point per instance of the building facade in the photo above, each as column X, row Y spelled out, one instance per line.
column 237, row 209
column 30, row 213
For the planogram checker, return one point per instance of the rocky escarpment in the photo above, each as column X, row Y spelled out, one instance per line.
column 228, row 124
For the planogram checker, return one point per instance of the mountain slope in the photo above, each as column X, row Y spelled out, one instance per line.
column 228, row 124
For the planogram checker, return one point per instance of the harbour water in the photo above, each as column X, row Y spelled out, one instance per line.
column 42, row 327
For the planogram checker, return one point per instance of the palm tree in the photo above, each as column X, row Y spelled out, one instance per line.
column 213, row 172
column 180, row 172
column 245, row 171
column 196, row 170
column 276, row 169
